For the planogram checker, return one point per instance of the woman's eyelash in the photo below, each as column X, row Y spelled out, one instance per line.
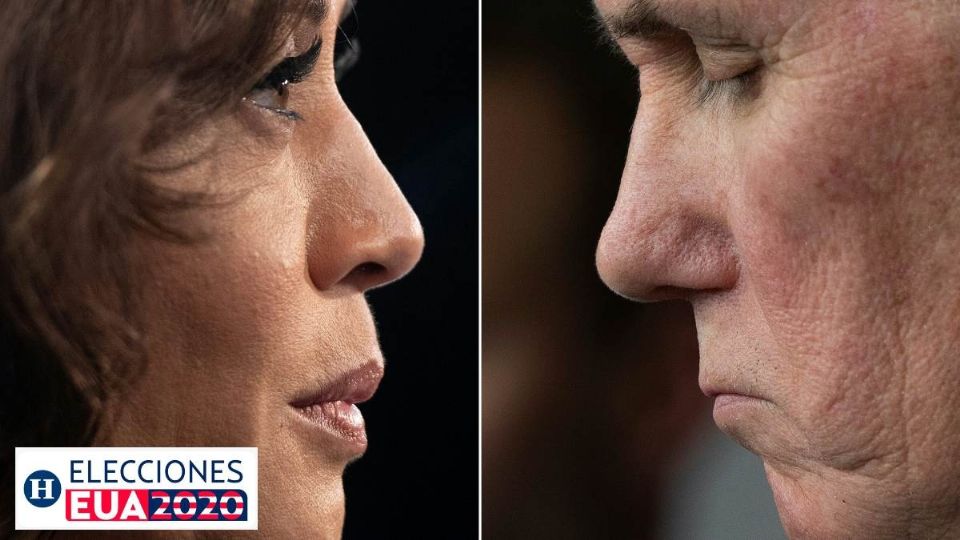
column 271, row 92
column 293, row 69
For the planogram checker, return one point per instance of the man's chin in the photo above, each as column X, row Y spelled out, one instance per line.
column 795, row 507
column 764, row 429
column 831, row 504
column 752, row 422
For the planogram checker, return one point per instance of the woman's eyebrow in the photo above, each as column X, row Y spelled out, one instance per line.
column 316, row 11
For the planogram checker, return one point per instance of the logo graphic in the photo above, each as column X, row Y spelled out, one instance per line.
column 42, row 488
column 137, row 488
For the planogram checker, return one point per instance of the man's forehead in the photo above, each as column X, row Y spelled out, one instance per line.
column 691, row 6
column 618, row 7
column 723, row 15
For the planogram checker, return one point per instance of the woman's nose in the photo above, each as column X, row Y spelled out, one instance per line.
column 372, row 254
column 362, row 233
column 666, row 237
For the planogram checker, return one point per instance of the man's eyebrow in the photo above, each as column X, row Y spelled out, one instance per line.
column 640, row 19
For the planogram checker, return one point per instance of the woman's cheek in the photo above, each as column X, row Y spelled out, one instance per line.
column 241, row 273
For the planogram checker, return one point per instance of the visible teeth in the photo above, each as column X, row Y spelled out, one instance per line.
column 330, row 409
column 341, row 412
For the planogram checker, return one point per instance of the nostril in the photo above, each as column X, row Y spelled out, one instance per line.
column 665, row 256
column 367, row 272
column 668, row 292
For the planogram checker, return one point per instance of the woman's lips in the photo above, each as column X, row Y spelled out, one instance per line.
column 334, row 407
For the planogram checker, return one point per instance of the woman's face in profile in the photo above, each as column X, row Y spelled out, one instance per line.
column 793, row 174
column 260, row 335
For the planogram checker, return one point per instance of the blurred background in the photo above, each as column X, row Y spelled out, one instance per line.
column 414, row 90
column 593, row 422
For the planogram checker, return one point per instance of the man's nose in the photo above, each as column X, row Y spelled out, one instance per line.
column 666, row 237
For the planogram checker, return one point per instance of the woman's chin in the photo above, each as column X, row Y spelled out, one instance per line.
column 300, row 498
column 332, row 444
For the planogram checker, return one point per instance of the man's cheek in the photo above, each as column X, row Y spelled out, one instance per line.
column 774, row 217
column 798, row 219
column 806, row 278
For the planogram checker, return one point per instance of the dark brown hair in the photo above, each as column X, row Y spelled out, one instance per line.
column 87, row 89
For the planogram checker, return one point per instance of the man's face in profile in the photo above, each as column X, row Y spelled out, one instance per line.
column 793, row 173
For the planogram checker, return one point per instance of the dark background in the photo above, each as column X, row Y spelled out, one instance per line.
column 600, row 391
column 593, row 422
column 415, row 91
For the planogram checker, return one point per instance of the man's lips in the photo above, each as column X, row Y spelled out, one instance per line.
column 730, row 395
column 725, row 385
column 333, row 407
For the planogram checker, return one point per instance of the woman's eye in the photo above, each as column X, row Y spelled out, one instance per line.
column 272, row 92
column 273, row 97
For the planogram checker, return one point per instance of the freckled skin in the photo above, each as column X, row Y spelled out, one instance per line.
column 270, row 300
column 815, row 230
